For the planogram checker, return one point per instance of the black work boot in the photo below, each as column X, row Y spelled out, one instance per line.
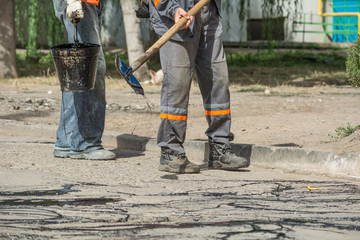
column 177, row 164
column 225, row 158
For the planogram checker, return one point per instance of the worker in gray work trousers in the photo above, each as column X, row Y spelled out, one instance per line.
column 198, row 46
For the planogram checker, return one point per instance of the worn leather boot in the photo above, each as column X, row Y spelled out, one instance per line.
column 177, row 164
column 225, row 158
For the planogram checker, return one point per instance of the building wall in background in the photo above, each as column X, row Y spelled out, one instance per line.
column 234, row 30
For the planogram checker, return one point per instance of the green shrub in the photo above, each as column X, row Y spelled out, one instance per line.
column 353, row 63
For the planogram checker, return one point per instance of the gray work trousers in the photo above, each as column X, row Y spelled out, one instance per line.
column 82, row 117
column 178, row 60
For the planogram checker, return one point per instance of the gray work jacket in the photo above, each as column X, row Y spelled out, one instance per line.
column 162, row 17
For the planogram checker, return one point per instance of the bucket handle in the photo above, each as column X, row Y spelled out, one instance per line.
column 76, row 33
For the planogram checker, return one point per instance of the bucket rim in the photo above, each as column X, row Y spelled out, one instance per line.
column 75, row 46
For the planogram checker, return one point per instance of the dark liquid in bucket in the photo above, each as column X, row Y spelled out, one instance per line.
column 76, row 65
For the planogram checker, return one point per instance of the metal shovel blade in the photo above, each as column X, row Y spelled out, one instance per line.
column 126, row 72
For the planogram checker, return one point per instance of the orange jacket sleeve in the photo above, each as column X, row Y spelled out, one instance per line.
column 96, row 2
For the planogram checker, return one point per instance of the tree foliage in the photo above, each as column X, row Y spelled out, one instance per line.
column 36, row 23
column 33, row 28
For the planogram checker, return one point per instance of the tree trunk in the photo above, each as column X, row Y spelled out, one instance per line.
column 134, row 40
column 7, row 39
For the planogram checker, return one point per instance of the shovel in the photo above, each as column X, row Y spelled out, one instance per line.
column 127, row 71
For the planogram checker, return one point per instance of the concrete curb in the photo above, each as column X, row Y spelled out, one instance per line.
column 295, row 159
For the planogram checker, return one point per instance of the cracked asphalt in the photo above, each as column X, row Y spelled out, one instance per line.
column 42, row 197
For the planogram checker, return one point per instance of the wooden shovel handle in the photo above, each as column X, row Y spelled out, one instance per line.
column 171, row 32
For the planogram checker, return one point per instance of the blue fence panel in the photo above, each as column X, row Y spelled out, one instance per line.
column 345, row 6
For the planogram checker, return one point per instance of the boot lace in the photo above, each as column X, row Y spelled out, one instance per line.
column 168, row 156
column 227, row 151
column 181, row 156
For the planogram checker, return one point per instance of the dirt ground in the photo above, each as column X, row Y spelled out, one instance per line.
column 282, row 116
column 43, row 197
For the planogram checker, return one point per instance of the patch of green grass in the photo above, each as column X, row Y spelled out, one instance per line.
column 284, row 95
column 110, row 64
column 286, row 59
column 340, row 93
column 39, row 66
column 277, row 94
column 342, row 132
column 264, row 69
column 252, row 89
column 31, row 92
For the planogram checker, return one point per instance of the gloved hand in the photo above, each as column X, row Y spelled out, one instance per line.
column 143, row 11
column 74, row 11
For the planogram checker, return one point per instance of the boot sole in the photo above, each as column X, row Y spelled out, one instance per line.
column 83, row 156
column 61, row 154
column 166, row 168
column 224, row 166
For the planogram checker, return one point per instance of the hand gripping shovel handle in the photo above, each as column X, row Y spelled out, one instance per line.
column 127, row 72
column 166, row 37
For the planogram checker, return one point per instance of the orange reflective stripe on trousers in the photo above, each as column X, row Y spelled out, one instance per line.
column 217, row 113
column 173, row 117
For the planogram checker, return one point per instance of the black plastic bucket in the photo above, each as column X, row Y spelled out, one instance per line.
column 76, row 65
